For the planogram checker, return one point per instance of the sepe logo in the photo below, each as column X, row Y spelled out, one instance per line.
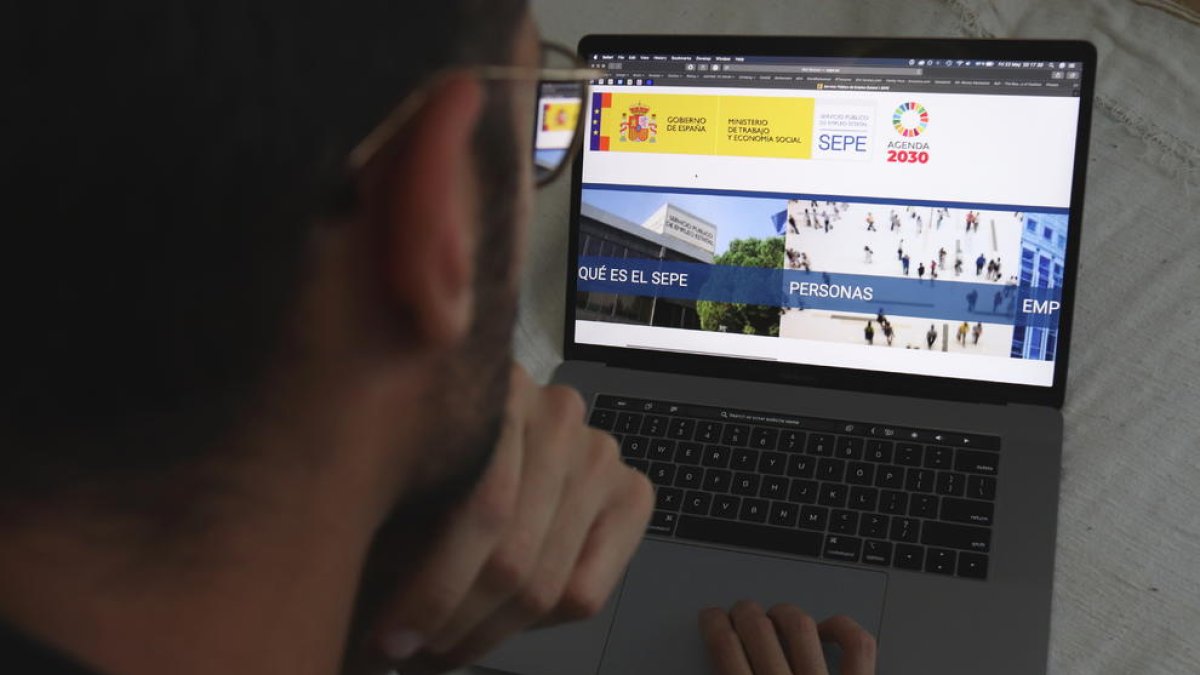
column 910, row 119
column 638, row 125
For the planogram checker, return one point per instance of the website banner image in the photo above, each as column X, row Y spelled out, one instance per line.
column 945, row 290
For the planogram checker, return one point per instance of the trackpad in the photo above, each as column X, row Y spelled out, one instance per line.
column 656, row 630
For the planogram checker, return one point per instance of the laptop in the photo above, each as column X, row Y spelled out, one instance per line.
column 820, row 289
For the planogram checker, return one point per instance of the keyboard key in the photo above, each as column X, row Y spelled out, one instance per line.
column 831, row 469
column 842, row 548
column 832, row 494
column 726, row 506
column 746, row 484
column 863, row 498
column 628, row 423
column 923, row 506
column 909, row 454
column 662, row 522
column 615, row 402
column 772, row 463
column 814, row 517
column 803, row 491
column 604, row 420
column 735, row 434
column 849, row 447
column 977, row 441
column 967, row 511
column 764, row 537
column 791, row 441
column 801, row 466
column 860, row 473
column 715, row 456
column 689, row 477
column 668, row 499
column 820, row 444
column 938, row 457
column 910, row 557
column 919, row 480
column 681, row 429
column 905, row 529
column 753, row 511
column 891, row 477
column 633, row 447
column 852, row 428
column 717, row 480
column 893, row 502
column 662, row 473
column 877, row 553
column 763, row 438
column 708, row 432
column 743, row 459
column 939, row 561
column 972, row 565
column 697, row 503
column 654, row 425
column 951, row 484
column 879, row 451
column 661, row 450
column 689, row 453
column 784, row 514
column 973, row 461
column 843, row 522
column 874, row 526
column 981, row 487
column 962, row 537
column 774, row 487
column 639, row 464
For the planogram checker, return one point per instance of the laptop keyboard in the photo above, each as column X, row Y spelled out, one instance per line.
column 874, row 494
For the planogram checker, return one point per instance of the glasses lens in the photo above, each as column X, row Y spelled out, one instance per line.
column 559, row 106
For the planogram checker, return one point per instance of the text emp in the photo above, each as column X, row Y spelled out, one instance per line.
column 1031, row 306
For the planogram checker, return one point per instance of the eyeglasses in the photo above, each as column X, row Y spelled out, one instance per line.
column 561, row 94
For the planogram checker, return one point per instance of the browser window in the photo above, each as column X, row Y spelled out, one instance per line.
column 894, row 215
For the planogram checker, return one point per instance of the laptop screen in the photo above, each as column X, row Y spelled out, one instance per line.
column 900, row 215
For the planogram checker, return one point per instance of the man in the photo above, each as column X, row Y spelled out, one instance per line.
column 259, row 413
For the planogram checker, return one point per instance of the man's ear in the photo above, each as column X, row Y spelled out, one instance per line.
column 428, row 195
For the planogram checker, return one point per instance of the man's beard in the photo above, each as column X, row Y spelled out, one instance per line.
column 467, row 409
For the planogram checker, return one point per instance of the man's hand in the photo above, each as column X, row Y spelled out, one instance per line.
column 544, row 538
column 783, row 641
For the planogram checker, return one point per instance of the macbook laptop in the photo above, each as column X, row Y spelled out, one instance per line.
column 820, row 290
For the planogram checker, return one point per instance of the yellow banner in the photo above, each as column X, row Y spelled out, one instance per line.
column 735, row 126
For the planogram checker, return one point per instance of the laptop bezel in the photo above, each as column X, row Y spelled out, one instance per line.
column 923, row 386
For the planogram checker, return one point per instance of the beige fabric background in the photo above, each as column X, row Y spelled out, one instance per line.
column 1127, row 579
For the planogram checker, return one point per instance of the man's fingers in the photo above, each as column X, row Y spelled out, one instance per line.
column 610, row 544
column 723, row 644
column 759, row 639
column 515, row 558
column 429, row 598
column 858, row 646
column 801, row 643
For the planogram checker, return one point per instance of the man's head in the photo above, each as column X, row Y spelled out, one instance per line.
column 193, row 283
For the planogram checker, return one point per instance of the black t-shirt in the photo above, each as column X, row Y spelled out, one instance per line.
column 22, row 655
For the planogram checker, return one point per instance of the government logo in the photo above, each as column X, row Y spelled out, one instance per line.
column 638, row 125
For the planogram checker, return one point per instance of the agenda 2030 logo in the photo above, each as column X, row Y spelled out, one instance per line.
column 911, row 120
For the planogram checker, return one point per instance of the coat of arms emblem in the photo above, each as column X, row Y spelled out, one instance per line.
column 638, row 125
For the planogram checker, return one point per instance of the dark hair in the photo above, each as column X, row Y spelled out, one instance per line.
column 162, row 168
